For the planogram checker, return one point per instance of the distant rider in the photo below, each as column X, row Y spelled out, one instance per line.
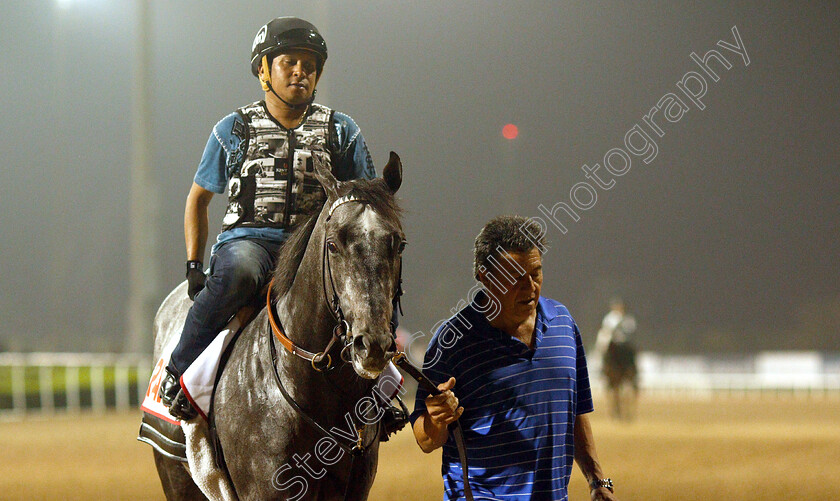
column 617, row 326
column 614, row 342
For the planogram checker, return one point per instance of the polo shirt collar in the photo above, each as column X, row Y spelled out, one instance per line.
column 548, row 309
column 545, row 312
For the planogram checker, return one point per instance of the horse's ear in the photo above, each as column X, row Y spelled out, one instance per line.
column 392, row 173
column 325, row 177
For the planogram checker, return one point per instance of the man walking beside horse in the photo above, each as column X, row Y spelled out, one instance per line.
column 511, row 367
column 263, row 154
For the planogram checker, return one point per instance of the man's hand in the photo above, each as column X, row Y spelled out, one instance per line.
column 602, row 494
column 431, row 428
column 587, row 458
column 443, row 409
column 195, row 236
column 195, row 278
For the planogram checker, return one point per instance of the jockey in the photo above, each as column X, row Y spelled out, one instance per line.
column 263, row 154
column 617, row 326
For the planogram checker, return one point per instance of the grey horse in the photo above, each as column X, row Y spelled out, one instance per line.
column 345, row 260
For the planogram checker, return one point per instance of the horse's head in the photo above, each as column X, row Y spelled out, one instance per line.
column 363, row 244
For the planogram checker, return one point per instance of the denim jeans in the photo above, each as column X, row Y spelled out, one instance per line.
column 238, row 271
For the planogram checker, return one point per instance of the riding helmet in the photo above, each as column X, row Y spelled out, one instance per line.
column 286, row 33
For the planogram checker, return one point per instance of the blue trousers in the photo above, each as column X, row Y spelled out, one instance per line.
column 239, row 270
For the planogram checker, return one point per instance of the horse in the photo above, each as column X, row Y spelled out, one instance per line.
column 619, row 368
column 286, row 408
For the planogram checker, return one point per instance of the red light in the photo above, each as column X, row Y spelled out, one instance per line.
column 510, row 131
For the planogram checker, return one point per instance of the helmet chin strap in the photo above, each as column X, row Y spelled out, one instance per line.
column 265, row 81
column 294, row 106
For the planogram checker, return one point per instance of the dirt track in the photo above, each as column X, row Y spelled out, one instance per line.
column 720, row 449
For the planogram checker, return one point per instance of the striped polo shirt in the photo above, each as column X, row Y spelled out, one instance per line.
column 519, row 404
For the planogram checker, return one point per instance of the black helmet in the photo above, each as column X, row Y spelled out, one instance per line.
column 287, row 32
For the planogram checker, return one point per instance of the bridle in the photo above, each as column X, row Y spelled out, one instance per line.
column 322, row 361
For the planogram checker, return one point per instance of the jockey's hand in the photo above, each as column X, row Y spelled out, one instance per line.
column 443, row 409
column 195, row 279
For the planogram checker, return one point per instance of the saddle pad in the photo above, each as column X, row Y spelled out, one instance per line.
column 199, row 379
column 151, row 402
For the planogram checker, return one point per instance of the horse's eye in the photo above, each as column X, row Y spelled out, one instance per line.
column 332, row 247
column 401, row 247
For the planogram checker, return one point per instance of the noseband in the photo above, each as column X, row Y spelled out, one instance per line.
column 322, row 361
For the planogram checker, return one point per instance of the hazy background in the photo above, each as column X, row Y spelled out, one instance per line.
column 726, row 242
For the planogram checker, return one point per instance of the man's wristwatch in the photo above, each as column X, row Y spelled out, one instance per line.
column 604, row 482
column 194, row 265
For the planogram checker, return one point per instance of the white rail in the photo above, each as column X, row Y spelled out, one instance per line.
column 799, row 373
column 128, row 384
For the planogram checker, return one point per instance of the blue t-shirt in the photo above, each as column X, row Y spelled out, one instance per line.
column 351, row 160
column 519, row 404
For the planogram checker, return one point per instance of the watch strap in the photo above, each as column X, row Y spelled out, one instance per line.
column 603, row 482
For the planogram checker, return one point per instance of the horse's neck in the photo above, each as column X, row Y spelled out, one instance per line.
column 303, row 309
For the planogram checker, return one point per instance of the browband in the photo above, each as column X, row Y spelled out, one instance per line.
column 341, row 201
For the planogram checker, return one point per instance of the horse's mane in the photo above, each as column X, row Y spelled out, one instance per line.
column 373, row 192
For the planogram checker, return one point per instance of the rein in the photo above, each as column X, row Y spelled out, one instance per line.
column 315, row 359
column 401, row 360
column 358, row 448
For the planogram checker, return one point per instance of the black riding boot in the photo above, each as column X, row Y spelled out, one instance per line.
column 174, row 398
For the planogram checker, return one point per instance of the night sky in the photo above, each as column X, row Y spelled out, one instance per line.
column 725, row 240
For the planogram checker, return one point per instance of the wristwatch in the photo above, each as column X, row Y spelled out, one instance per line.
column 604, row 482
column 194, row 264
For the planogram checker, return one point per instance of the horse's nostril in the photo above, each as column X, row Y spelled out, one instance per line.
column 376, row 348
column 361, row 344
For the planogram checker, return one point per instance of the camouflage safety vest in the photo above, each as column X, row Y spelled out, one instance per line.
column 275, row 185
